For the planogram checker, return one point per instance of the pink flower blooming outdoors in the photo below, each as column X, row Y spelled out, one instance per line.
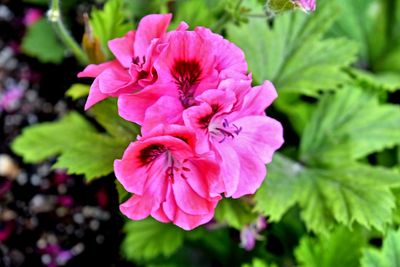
column 307, row 5
column 204, row 129
column 168, row 179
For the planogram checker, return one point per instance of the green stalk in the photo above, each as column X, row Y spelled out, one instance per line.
column 54, row 16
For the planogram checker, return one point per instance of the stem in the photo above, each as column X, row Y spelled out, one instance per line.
column 225, row 18
column 54, row 16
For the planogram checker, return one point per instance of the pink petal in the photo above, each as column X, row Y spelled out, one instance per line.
column 93, row 70
column 136, row 207
column 150, row 27
column 185, row 46
column 95, row 95
column 115, row 81
column 160, row 216
column 167, row 110
column 188, row 200
column 230, row 166
column 252, row 170
column 132, row 107
column 122, row 48
column 182, row 219
column 227, row 54
column 204, row 177
column 263, row 134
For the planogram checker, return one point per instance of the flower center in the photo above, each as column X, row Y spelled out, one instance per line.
column 186, row 74
column 177, row 168
column 225, row 131
column 150, row 153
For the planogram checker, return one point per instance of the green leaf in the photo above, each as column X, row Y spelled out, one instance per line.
column 347, row 126
column 106, row 113
column 388, row 256
column 148, row 239
column 234, row 212
column 281, row 188
column 78, row 90
column 80, row 148
column 387, row 81
column 41, row 42
column 344, row 195
column 258, row 263
column 38, row 142
column 92, row 155
column 195, row 13
column 123, row 195
column 109, row 23
column 340, row 248
column 292, row 54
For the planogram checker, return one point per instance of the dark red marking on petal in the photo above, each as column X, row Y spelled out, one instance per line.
column 186, row 73
column 150, row 153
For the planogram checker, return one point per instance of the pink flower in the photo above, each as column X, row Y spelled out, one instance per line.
column 234, row 126
column 191, row 62
column 306, row 5
column 10, row 99
column 32, row 15
column 133, row 68
column 169, row 180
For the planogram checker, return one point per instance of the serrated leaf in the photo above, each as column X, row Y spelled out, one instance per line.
column 347, row 126
column 109, row 23
column 148, row 239
column 387, row 81
column 106, row 114
column 388, row 256
column 77, row 91
column 292, row 54
column 280, row 189
column 38, row 142
column 344, row 195
column 235, row 213
column 195, row 13
column 41, row 42
column 340, row 248
column 347, row 195
column 92, row 155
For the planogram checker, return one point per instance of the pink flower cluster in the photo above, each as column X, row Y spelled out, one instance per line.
column 204, row 128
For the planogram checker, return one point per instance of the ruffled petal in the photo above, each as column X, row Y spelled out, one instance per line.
column 263, row 134
column 122, row 48
column 150, row 27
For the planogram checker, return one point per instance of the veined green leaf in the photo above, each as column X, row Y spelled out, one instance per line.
column 342, row 247
column 41, row 42
column 235, row 213
column 92, row 155
column 344, row 195
column 388, row 256
column 109, row 23
column 292, row 54
column 148, row 239
column 347, row 126
column 38, row 142
column 106, row 114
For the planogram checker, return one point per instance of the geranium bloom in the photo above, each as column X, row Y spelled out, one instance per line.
column 191, row 62
column 168, row 179
column 133, row 67
column 239, row 133
column 306, row 5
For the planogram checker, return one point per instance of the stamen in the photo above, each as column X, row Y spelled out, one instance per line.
column 150, row 153
column 186, row 73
